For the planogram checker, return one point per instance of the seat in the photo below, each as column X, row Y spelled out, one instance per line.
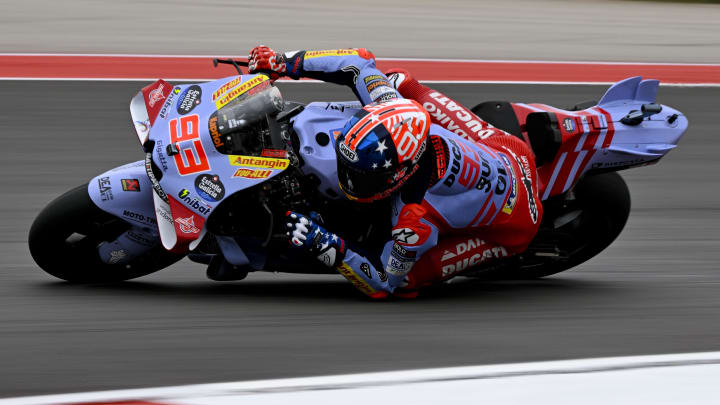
column 542, row 127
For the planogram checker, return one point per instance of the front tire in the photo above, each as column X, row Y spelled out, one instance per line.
column 64, row 237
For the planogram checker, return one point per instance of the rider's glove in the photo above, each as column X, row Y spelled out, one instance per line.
column 308, row 235
column 264, row 60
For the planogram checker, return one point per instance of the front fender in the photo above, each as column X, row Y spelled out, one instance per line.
column 126, row 193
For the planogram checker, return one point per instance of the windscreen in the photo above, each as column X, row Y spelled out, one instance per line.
column 242, row 127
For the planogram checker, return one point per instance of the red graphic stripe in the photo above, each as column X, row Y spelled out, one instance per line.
column 199, row 68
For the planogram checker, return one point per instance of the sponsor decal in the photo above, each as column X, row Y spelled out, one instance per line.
column 365, row 268
column 512, row 197
column 374, row 85
column 405, row 235
column 381, row 274
column 469, row 253
column 193, row 202
column 480, row 128
column 187, row 225
column 156, row 95
column 455, row 165
column 140, row 238
column 252, row 173
column 143, row 126
column 616, row 164
column 398, row 268
column 357, row 281
column 475, row 259
column 386, row 97
column 242, row 89
column 332, row 52
column 163, row 213
column 160, row 151
column 569, row 124
column 526, row 180
column 213, row 129
column 382, row 90
column 189, row 99
column 401, row 252
column 153, row 180
column 349, row 154
column 130, row 184
column 185, row 134
column 261, row 162
column 209, row 187
column 168, row 102
column 274, row 153
column 105, row 188
column 372, row 78
column 141, row 218
column 226, row 87
column 116, row 256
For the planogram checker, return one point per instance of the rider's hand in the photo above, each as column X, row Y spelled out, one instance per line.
column 264, row 60
column 307, row 235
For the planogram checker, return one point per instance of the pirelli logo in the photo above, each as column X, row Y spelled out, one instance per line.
column 333, row 52
column 227, row 86
column 240, row 90
column 358, row 282
column 261, row 162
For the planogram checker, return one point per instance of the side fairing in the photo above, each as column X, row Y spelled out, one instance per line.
column 195, row 176
column 126, row 193
column 317, row 127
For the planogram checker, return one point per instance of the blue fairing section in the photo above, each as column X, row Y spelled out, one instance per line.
column 322, row 118
column 134, row 207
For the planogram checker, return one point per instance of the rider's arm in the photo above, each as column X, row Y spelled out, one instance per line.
column 374, row 275
column 351, row 67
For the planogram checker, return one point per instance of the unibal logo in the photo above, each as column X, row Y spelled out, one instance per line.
column 193, row 202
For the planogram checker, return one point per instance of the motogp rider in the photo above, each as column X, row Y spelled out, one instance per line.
column 463, row 192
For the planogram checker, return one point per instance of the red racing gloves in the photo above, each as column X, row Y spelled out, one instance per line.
column 264, row 60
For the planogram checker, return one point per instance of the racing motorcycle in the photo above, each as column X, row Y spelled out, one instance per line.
column 225, row 159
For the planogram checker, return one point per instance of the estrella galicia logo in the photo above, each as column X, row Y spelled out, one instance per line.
column 189, row 99
column 210, row 187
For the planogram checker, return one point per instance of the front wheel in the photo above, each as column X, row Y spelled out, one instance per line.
column 64, row 238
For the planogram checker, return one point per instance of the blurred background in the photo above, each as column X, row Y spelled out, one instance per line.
column 655, row 290
column 644, row 31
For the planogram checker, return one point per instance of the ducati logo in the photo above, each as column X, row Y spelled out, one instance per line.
column 156, row 95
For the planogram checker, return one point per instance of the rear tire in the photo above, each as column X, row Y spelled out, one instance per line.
column 76, row 259
column 604, row 204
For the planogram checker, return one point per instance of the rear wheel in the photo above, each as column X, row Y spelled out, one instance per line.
column 577, row 226
column 65, row 235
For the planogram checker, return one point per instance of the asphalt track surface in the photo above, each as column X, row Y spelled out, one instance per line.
column 655, row 290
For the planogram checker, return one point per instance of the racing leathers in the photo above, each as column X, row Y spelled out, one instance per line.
column 477, row 200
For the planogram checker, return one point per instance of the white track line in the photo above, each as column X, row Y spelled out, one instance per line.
column 642, row 367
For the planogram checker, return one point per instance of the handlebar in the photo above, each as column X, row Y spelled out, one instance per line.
column 235, row 62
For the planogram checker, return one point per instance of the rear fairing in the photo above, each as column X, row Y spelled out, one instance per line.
column 595, row 139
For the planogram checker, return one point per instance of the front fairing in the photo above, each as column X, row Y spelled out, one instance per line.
column 194, row 176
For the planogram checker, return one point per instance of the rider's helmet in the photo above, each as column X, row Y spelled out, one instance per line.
column 379, row 148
